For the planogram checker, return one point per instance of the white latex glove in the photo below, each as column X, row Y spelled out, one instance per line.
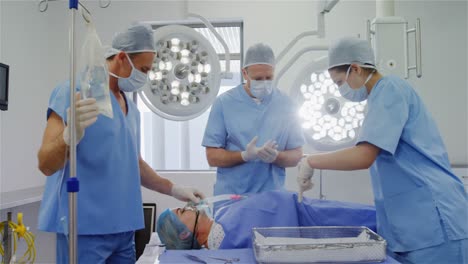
column 186, row 194
column 85, row 115
column 251, row 151
column 268, row 153
column 304, row 178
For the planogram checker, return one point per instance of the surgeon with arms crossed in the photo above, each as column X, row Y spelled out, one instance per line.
column 109, row 166
column 253, row 131
column 422, row 207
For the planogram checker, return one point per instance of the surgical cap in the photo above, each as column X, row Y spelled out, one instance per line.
column 137, row 38
column 259, row 54
column 173, row 233
column 350, row 50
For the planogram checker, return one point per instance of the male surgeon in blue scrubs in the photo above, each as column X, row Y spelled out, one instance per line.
column 253, row 131
column 109, row 166
column 422, row 207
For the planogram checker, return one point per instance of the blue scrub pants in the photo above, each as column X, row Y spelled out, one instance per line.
column 450, row 252
column 99, row 249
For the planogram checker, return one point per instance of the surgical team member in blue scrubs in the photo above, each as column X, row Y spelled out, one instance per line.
column 422, row 207
column 109, row 166
column 253, row 132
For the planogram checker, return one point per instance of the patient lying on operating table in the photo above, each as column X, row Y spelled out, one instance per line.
column 189, row 228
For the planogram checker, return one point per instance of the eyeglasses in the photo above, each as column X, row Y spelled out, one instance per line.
column 195, row 227
column 197, row 213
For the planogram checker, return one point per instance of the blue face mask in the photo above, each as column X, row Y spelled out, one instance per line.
column 355, row 95
column 261, row 89
column 135, row 81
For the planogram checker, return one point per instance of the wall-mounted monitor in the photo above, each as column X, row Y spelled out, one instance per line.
column 4, row 77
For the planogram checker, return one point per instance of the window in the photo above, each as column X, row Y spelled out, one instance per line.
column 174, row 145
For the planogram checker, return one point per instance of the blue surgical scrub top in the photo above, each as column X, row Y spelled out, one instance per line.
column 109, row 199
column 419, row 201
column 235, row 119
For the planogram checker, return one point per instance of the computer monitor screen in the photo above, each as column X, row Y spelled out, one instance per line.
column 4, row 76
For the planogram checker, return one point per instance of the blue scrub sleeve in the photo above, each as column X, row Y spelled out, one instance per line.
column 138, row 132
column 387, row 115
column 296, row 134
column 215, row 132
column 59, row 101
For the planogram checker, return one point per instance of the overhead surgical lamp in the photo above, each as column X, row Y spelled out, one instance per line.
column 186, row 74
column 329, row 121
column 322, row 108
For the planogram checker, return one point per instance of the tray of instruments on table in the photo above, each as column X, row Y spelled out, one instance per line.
column 318, row 244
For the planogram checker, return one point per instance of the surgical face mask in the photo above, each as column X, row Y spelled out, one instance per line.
column 135, row 81
column 261, row 89
column 355, row 95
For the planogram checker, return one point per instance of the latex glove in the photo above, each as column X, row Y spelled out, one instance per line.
column 268, row 153
column 186, row 194
column 251, row 151
column 86, row 114
column 304, row 178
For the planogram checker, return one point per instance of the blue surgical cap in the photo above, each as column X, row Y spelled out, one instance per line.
column 173, row 233
column 137, row 38
column 259, row 54
column 350, row 50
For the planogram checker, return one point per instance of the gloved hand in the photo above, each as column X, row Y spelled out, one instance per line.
column 304, row 178
column 85, row 115
column 251, row 151
column 268, row 153
column 186, row 194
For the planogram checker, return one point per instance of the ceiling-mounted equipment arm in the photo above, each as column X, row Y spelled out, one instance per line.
column 296, row 57
column 226, row 74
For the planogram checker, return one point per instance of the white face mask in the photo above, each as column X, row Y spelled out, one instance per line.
column 135, row 81
column 355, row 95
column 261, row 89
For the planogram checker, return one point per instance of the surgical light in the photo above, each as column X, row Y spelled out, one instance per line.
column 329, row 120
column 186, row 75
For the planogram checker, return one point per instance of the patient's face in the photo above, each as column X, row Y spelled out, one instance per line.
column 187, row 216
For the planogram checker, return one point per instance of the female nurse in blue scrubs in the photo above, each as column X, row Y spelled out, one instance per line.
column 422, row 208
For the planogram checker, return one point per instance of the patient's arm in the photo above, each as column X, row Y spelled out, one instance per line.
column 289, row 158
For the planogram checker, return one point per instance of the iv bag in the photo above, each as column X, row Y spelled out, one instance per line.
column 95, row 78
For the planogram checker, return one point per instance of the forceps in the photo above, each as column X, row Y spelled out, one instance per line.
column 227, row 261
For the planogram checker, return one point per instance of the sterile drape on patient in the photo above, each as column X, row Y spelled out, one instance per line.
column 281, row 209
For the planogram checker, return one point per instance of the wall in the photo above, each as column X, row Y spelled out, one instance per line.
column 34, row 69
column 36, row 46
column 444, row 81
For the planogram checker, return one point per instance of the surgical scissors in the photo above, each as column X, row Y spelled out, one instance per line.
column 195, row 258
column 227, row 261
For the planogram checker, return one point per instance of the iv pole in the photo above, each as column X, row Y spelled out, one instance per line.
column 72, row 182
